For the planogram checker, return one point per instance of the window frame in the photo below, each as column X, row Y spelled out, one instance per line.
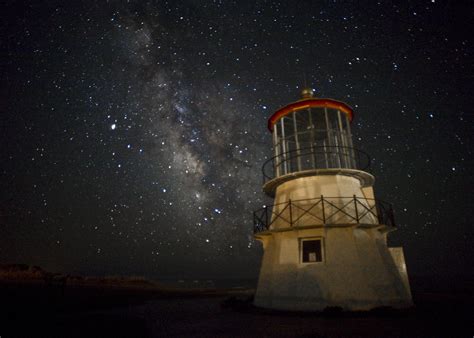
column 307, row 239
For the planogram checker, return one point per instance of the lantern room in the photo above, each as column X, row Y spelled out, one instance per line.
column 310, row 134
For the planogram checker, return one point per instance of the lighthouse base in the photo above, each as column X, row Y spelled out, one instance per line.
column 349, row 267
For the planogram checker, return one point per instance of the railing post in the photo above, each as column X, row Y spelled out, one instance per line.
column 291, row 214
column 380, row 212
column 356, row 211
column 392, row 217
column 266, row 218
column 324, row 215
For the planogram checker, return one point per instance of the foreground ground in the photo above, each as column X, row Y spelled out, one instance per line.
column 36, row 310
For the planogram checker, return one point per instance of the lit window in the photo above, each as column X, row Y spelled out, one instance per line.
column 311, row 250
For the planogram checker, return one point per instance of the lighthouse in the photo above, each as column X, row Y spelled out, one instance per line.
column 325, row 237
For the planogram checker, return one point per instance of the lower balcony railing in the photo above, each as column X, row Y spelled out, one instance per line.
column 323, row 211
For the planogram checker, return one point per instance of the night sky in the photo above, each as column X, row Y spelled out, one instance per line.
column 133, row 133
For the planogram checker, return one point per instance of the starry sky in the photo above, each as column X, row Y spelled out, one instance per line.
column 133, row 133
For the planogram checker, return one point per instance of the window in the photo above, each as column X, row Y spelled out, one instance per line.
column 311, row 250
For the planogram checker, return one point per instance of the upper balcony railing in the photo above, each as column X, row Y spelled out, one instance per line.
column 323, row 211
column 315, row 157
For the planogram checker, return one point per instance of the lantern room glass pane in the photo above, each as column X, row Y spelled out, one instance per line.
column 313, row 138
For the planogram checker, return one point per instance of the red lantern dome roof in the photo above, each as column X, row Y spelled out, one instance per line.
column 309, row 103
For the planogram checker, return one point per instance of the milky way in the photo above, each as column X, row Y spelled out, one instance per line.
column 134, row 133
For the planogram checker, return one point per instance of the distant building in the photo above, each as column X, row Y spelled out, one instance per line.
column 325, row 238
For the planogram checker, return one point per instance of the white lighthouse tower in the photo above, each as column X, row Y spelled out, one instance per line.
column 325, row 238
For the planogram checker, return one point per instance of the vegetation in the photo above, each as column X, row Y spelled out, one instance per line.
column 28, row 273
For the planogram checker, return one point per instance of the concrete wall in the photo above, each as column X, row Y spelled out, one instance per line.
column 315, row 186
column 399, row 259
column 337, row 189
column 357, row 272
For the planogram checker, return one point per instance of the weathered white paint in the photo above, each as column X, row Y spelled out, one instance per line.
column 358, row 272
column 399, row 259
column 302, row 190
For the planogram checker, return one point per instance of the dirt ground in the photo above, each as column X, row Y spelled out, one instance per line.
column 34, row 310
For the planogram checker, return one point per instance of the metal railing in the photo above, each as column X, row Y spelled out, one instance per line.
column 315, row 157
column 323, row 211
